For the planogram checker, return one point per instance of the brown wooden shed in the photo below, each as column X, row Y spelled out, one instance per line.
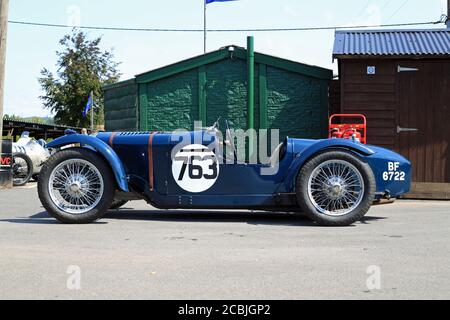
column 400, row 79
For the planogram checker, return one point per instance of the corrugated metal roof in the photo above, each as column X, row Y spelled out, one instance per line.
column 392, row 42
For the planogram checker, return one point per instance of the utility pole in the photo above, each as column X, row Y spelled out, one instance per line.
column 251, row 94
column 448, row 14
column 4, row 4
column 204, row 27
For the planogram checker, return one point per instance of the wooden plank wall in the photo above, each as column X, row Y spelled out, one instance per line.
column 335, row 97
column 411, row 100
column 375, row 96
column 424, row 100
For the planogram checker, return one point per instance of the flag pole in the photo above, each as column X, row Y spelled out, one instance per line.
column 204, row 26
column 92, row 112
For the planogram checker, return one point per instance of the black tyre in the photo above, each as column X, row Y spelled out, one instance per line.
column 22, row 169
column 335, row 188
column 117, row 204
column 35, row 177
column 76, row 186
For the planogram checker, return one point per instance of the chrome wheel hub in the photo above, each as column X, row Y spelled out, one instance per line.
column 336, row 188
column 76, row 186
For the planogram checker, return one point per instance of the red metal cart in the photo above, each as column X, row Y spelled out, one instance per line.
column 357, row 131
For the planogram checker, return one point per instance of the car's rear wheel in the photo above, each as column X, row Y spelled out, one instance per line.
column 335, row 188
column 76, row 186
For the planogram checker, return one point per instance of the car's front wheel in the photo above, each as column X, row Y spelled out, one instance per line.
column 76, row 186
column 335, row 188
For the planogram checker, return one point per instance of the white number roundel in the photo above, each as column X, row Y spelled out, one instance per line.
column 195, row 168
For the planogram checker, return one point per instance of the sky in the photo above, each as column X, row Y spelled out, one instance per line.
column 31, row 48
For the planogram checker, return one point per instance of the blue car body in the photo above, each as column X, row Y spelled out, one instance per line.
column 142, row 165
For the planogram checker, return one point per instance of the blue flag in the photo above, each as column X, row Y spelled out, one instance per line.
column 211, row 1
column 88, row 106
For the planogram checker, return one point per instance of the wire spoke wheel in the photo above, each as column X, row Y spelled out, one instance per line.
column 76, row 186
column 336, row 188
column 22, row 169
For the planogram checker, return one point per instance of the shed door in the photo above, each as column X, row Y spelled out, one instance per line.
column 424, row 104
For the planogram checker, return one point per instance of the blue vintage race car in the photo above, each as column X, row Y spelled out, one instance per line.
column 334, row 182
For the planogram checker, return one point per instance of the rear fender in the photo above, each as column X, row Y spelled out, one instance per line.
column 99, row 146
column 307, row 154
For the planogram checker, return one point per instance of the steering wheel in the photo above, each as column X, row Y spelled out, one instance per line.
column 216, row 125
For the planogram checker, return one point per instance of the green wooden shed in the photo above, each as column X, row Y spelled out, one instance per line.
column 288, row 95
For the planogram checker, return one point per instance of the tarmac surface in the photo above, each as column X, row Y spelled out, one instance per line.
column 399, row 251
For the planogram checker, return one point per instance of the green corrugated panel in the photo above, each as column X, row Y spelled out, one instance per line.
column 262, row 96
column 226, row 95
column 121, row 107
column 295, row 104
column 202, row 95
column 173, row 103
column 294, row 96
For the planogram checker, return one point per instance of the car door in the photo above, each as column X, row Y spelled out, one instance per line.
column 198, row 170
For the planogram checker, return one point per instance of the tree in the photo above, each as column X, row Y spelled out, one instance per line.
column 12, row 117
column 82, row 67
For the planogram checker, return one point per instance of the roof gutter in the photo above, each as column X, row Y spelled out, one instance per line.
column 390, row 57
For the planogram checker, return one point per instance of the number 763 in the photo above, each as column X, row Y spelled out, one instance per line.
column 198, row 171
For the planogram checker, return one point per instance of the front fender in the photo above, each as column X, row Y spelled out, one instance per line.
column 303, row 156
column 102, row 148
